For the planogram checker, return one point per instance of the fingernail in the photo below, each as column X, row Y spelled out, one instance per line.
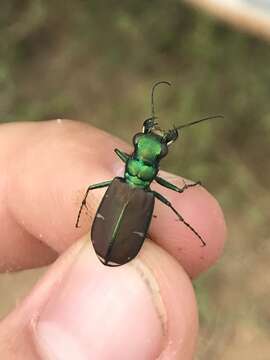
column 98, row 312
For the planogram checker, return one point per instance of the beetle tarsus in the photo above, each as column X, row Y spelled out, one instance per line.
column 186, row 186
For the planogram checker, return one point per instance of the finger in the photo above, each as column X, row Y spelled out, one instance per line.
column 203, row 213
column 82, row 309
column 56, row 163
column 45, row 168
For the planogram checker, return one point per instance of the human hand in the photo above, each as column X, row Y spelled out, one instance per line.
column 81, row 309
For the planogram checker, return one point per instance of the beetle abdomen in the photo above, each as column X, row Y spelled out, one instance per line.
column 121, row 222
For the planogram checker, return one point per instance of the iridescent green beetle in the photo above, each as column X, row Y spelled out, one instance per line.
column 124, row 214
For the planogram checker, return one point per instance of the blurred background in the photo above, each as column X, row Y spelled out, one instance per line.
column 96, row 61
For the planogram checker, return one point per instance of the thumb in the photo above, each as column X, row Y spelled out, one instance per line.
column 82, row 310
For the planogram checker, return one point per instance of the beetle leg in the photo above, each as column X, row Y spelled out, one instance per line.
column 91, row 187
column 123, row 156
column 167, row 202
column 173, row 187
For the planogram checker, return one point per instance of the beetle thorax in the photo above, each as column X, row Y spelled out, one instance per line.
column 143, row 165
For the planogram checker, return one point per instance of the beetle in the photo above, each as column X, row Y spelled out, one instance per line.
column 124, row 214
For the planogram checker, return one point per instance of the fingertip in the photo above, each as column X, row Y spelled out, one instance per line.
column 143, row 310
column 96, row 305
column 151, row 298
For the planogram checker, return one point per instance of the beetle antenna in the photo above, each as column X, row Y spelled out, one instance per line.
column 198, row 121
column 152, row 94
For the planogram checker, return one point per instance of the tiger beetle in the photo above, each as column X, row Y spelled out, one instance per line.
column 124, row 214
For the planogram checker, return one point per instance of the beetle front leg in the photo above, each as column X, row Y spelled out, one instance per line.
column 167, row 202
column 91, row 187
column 122, row 155
column 173, row 187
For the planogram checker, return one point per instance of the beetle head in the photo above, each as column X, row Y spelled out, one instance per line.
column 150, row 126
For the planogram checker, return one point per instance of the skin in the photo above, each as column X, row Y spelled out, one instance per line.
column 79, row 303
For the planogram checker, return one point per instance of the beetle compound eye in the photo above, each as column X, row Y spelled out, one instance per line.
column 136, row 138
column 170, row 136
column 164, row 150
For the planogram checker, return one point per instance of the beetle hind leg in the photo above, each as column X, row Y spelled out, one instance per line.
column 167, row 202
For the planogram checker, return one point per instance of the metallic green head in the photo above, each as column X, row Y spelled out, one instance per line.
column 152, row 143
